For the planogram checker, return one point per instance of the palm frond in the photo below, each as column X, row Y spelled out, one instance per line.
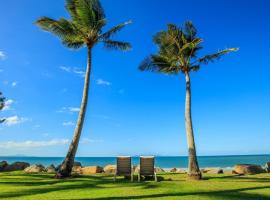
column 107, row 35
column 64, row 29
column 159, row 63
column 212, row 57
column 71, row 8
column 89, row 13
column 116, row 45
column 190, row 31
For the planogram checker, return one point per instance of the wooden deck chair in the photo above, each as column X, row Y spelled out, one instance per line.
column 124, row 167
column 147, row 167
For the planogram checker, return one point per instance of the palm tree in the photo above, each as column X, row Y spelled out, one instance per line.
column 2, row 105
column 178, row 49
column 83, row 29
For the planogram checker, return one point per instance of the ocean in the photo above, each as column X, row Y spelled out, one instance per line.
column 160, row 161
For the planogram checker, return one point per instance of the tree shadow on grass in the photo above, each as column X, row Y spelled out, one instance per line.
column 235, row 194
column 49, row 184
column 241, row 178
column 43, row 184
column 37, row 190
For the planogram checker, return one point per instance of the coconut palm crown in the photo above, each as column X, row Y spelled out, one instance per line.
column 83, row 29
column 85, row 26
column 178, row 52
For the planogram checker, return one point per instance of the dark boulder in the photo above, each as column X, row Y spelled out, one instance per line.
column 16, row 166
column 3, row 165
column 242, row 169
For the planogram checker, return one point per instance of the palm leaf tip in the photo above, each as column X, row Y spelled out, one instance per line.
column 117, row 45
column 147, row 65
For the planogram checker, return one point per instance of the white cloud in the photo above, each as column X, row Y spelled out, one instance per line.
column 8, row 104
column 14, row 84
column 74, row 109
column 87, row 141
column 14, row 120
column 69, row 109
column 2, row 55
column 79, row 72
column 68, row 123
column 33, row 144
column 103, row 82
column 66, row 69
column 74, row 70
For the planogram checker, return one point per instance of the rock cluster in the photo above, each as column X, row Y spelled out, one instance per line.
column 240, row 169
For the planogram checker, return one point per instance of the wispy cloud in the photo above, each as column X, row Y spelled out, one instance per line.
column 14, row 84
column 69, row 109
column 14, row 120
column 87, row 141
column 74, row 109
column 68, row 123
column 103, row 82
column 74, row 70
column 8, row 104
column 2, row 55
column 33, row 144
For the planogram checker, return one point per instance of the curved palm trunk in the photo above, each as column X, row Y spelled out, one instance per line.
column 66, row 166
column 193, row 167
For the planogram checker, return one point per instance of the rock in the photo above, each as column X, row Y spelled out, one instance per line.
column 91, row 170
column 110, row 169
column 51, row 169
column 35, row 169
column 16, row 166
column 77, row 164
column 266, row 167
column 247, row 169
column 174, row 170
column 3, row 165
column 182, row 171
column 212, row 170
column 77, row 169
column 158, row 170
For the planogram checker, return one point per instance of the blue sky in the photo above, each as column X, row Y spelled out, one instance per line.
column 131, row 112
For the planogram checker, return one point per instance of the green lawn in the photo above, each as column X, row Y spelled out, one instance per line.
column 17, row 185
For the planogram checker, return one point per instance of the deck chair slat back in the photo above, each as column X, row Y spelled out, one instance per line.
column 123, row 165
column 147, row 165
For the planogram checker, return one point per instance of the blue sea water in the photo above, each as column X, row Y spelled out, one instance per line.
column 161, row 161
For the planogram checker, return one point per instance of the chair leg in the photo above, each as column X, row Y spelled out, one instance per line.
column 155, row 176
column 139, row 177
column 114, row 178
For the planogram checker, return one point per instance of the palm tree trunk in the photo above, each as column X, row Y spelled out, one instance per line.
column 193, row 167
column 66, row 166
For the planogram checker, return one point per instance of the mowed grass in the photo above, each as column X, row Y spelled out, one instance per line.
column 17, row 185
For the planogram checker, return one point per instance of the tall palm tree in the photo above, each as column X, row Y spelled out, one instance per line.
column 178, row 49
column 83, row 29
